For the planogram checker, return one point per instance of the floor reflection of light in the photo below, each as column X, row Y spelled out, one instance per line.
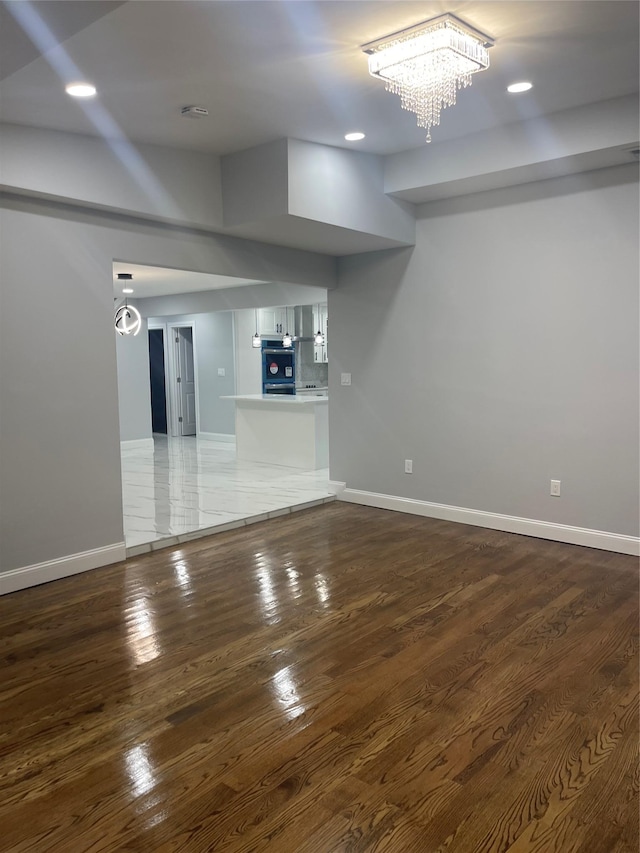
column 286, row 692
column 267, row 593
column 322, row 588
column 293, row 576
column 182, row 576
column 139, row 770
column 141, row 632
column 155, row 819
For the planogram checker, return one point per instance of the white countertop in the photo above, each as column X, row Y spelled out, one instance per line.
column 280, row 399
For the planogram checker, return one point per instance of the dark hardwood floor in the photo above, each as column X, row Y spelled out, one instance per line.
column 341, row 679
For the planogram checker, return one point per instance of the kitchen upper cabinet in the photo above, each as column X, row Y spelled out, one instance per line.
column 321, row 323
column 276, row 321
column 288, row 319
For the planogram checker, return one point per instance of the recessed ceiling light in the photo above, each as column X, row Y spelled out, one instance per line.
column 524, row 86
column 80, row 90
column 127, row 290
column 354, row 137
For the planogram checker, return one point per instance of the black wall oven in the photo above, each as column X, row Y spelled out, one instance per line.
column 278, row 369
column 279, row 388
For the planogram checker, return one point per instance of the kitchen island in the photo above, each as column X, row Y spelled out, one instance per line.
column 283, row 430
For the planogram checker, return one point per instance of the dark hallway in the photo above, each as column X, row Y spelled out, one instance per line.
column 156, row 374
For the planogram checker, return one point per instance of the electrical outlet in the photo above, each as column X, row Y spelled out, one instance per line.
column 221, row 371
column 408, row 466
column 555, row 488
column 345, row 379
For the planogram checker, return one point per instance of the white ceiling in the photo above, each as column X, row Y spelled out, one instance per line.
column 158, row 281
column 277, row 68
column 290, row 68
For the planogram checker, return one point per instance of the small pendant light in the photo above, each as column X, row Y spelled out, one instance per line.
column 318, row 337
column 127, row 319
column 256, row 341
column 287, row 340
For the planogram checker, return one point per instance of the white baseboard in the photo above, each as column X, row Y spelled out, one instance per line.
column 217, row 436
column 137, row 444
column 337, row 488
column 61, row 568
column 495, row 521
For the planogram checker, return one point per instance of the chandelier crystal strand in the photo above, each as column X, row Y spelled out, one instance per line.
column 427, row 65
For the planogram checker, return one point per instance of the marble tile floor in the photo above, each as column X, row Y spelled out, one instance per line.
column 184, row 488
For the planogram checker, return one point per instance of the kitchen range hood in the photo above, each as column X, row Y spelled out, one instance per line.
column 304, row 330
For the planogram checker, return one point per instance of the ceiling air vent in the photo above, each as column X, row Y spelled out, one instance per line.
column 194, row 112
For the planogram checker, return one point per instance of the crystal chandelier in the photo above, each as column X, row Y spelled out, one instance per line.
column 428, row 63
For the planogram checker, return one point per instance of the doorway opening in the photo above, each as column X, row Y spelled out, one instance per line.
column 158, row 381
column 179, row 383
column 173, row 379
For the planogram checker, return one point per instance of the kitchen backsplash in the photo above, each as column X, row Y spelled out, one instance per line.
column 307, row 369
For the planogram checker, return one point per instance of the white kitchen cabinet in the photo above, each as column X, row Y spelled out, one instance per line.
column 267, row 321
column 276, row 321
column 288, row 320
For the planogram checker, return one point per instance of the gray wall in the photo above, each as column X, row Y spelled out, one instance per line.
column 591, row 136
column 316, row 183
column 59, row 430
column 213, row 340
column 500, row 352
column 134, row 390
column 254, row 183
column 146, row 180
column 345, row 188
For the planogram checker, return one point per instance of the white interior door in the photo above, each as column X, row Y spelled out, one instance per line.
column 186, row 380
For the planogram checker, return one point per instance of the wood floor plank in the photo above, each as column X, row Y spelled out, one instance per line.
column 340, row 679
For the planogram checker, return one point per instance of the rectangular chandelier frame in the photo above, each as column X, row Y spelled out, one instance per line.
column 417, row 30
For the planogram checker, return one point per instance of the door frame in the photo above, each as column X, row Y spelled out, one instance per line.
column 174, row 404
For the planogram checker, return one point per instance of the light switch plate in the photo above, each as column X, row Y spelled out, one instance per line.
column 221, row 371
column 345, row 379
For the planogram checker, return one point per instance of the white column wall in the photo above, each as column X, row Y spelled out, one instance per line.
column 134, row 388
column 248, row 359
